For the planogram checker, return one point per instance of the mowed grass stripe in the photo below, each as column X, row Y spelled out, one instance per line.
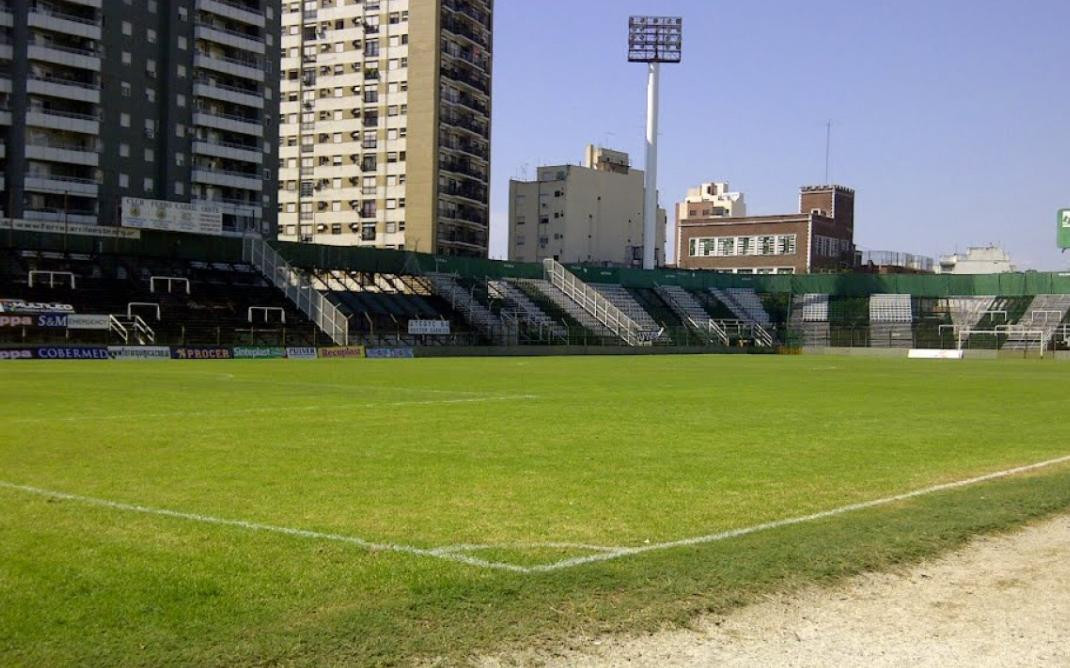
column 616, row 451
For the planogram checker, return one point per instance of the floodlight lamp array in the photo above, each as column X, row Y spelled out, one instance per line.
column 655, row 39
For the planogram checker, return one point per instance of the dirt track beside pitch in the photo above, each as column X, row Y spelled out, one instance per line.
column 1002, row 600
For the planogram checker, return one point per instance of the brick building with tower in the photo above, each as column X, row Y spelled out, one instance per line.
column 818, row 239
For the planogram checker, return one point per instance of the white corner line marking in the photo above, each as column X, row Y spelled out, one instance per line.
column 455, row 553
column 736, row 533
column 269, row 528
column 282, row 411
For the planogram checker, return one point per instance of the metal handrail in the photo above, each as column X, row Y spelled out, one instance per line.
column 596, row 304
column 298, row 288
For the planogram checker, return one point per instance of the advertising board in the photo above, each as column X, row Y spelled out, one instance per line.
column 202, row 353
column 429, row 327
column 1064, row 229
column 60, row 227
column 342, row 352
column 301, row 353
column 389, row 353
column 88, row 321
column 187, row 217
column 139, row 352
column 23, row 306
column 259, row 353
column 71, row 353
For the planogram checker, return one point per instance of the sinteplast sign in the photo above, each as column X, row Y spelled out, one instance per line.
column 1064, row 229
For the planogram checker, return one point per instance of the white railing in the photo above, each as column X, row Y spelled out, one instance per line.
column 468, row 306
column 266, row 311
column 525, row 310
column 168, row 281
column 1020, row 334
column 594, row 303
column 146, row 335
column 710, row 328
column 716, row 330
column 67, row 277
column 118, row 328
column 298, row 288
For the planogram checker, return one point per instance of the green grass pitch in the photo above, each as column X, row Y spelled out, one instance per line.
column 469, row 477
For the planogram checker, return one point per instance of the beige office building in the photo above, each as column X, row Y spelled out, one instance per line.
column 385, row 124
column 591, row 213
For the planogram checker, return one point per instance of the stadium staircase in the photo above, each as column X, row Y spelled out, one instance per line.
column 545, row 328
column 298, row 288
column 967, row 312
column 1038, row 325
column 594, row 303
column 692, row 313
column 747, row 307
column 619, row 296
column 891, row 320
column 503, row 330
column 810, row 320
column 570, row 309
column 155, row 301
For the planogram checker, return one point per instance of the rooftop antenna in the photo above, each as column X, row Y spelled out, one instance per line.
column 828, row 151
column 653, row 40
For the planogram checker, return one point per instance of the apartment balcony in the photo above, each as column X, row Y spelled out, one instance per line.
column 57, row 21
column 246, row 69
column 230, row 151
column 62, row 120
column 474, row 81
column 63, row 88
column 234, row 207
column 471, row 150
column 229, row 123
column 466, row 124
column 77, row 217
column 5, row 84
column 217, row 91
column 223, row 178
column 465, row 29
column 474, row 196
column 66, row 154
column 6, row 52
column 85, row 59
column 60, row 185
column 469, row 103
column 238, row 40
column 473, row 220
column 234, row 11
column 464, row 169
column 469, row 247
column 5, row 117
column 3, row 150
column 7, row 19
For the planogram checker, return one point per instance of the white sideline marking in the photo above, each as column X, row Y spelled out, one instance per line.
column 456, row 552
column 735, row 533
column 281, row 411
column 254, row 526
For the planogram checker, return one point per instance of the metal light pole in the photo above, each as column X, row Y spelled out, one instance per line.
column 653, row 40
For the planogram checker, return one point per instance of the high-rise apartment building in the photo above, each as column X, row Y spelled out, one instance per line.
column 385, row 134
column 589, row 213
column 163, row 100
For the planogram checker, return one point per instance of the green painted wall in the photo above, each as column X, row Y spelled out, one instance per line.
column 191, row 246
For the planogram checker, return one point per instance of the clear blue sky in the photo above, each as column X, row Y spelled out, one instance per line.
column 951, row 117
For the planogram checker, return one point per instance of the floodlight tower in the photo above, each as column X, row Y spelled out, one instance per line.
column 653, row 40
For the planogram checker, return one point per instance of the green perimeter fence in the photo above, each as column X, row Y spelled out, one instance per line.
column 312, row 256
